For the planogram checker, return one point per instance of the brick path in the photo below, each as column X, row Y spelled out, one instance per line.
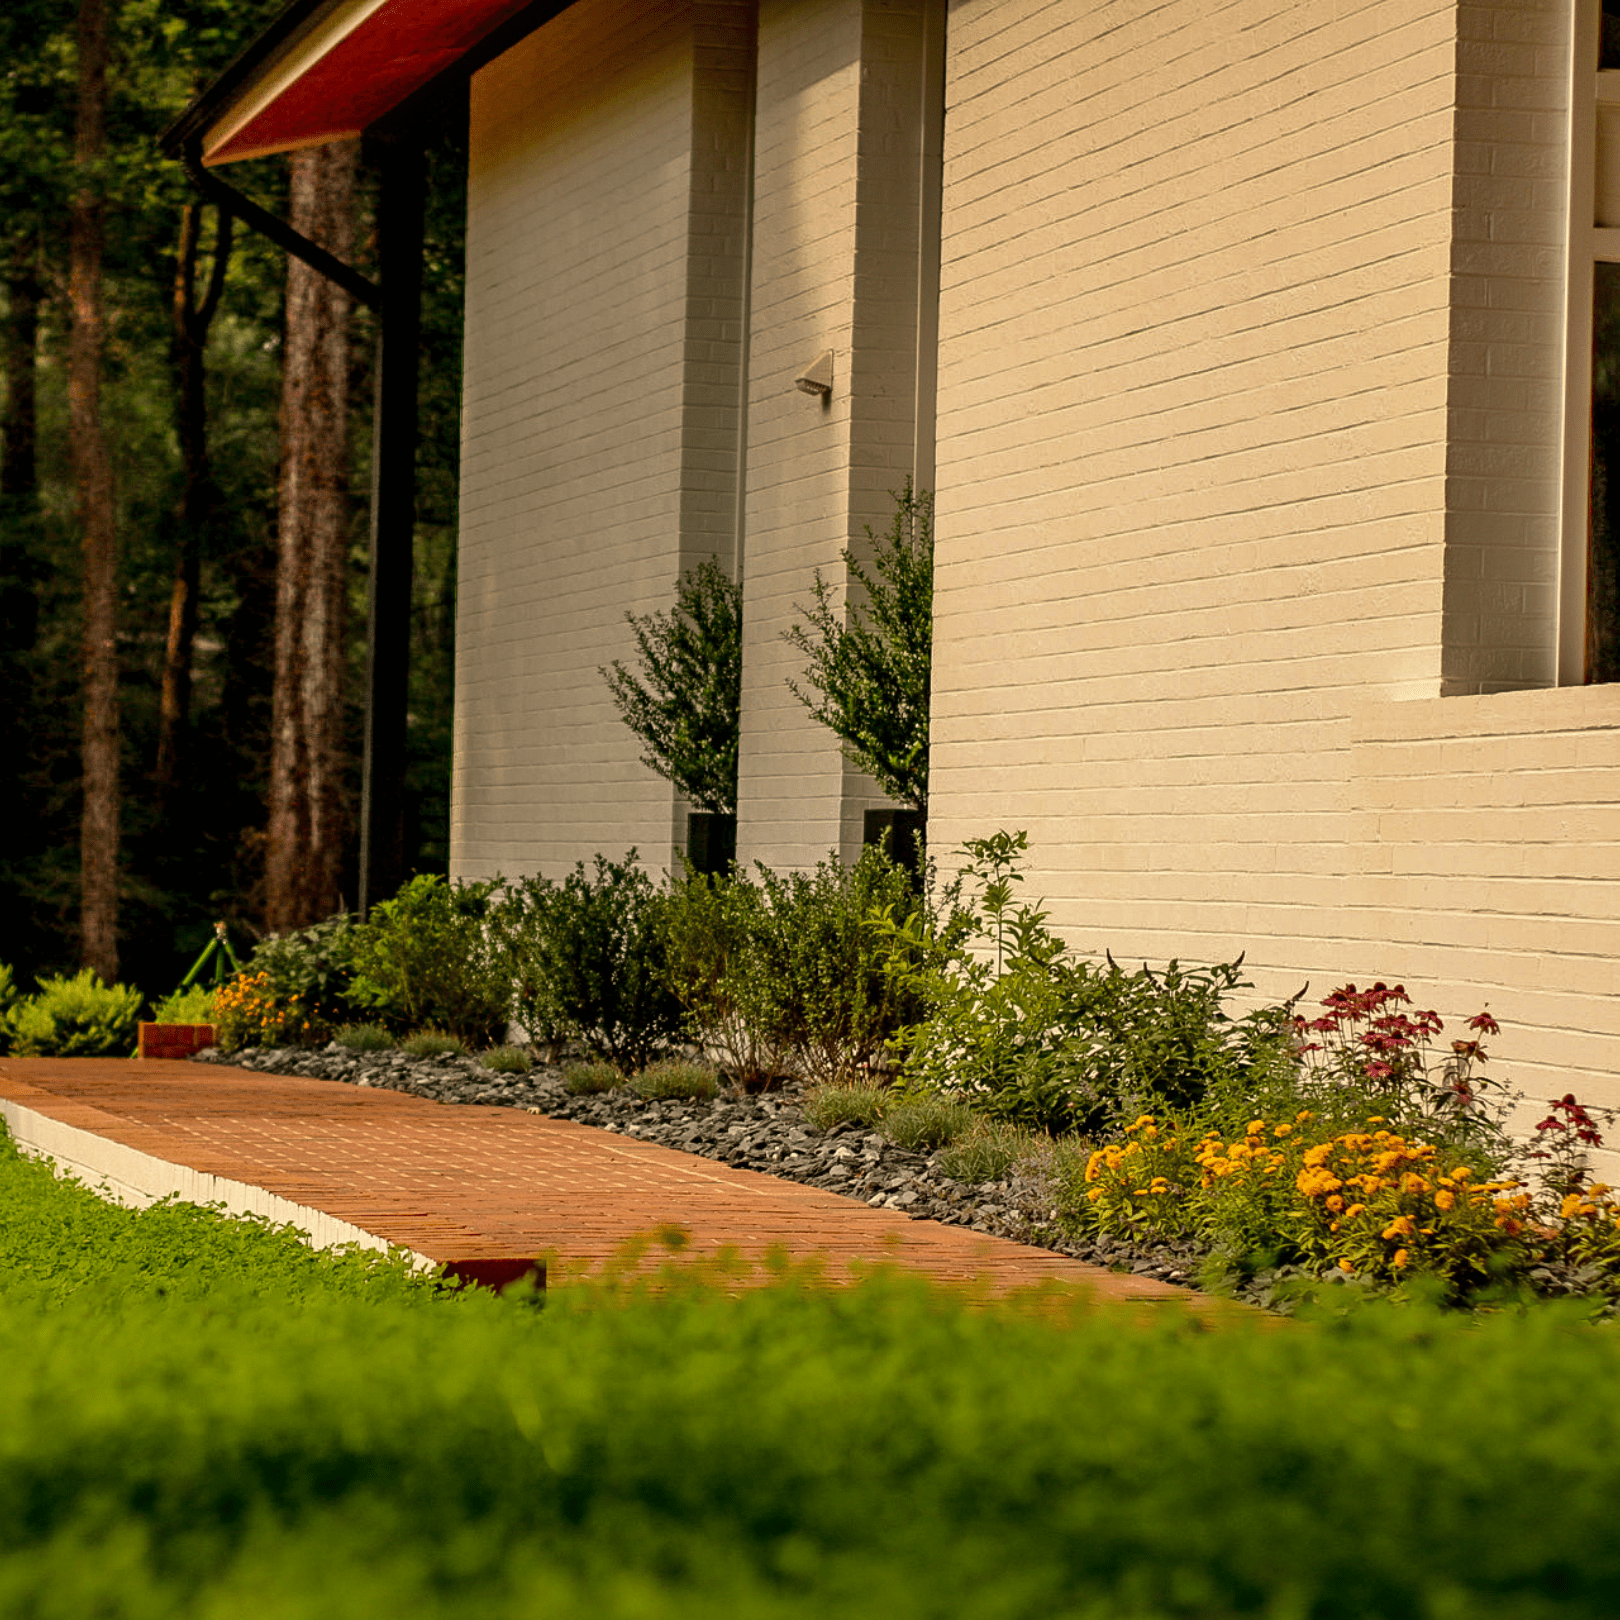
column 468, row 1183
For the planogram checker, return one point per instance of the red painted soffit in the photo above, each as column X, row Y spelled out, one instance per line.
column 393, row 53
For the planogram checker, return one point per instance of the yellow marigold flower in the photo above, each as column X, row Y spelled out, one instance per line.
column 1444, row 1199
column 1401, row 1226
column 1256, row 1126
column 1412, row 1183
column 1375, row 1119
column 1461, row 1173
column 1601, row 1187
column 1282, row 1130
column 1505, row 1223
column 1344, row 1265
column 1303, row 1115
column 1159, row 1185
column 1399, row 1259
column 1139, row 1192
column 1094, row 1194
column 1335, row 1203
column 1318, row 1155
column 1355, row 1210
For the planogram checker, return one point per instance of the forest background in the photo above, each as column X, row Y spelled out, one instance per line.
column 180, row 351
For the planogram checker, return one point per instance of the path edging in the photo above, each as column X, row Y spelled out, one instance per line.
column 135, row 1179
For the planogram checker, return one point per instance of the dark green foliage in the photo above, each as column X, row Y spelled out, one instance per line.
column 792, row 971
column 315, row 964
column 868, row 670
column 591, row 1079
column 77, row 1017
column 588, row 956
column 686, row 703
column 428, row 959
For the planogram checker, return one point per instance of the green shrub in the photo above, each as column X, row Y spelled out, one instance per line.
column 716, row 928
column 312, row 964
column 365, row 1038
column 798, row 1451
column 676, row 1079
column 868, row 653
column 792, row 972
column 1057, row 1045
column 686, row 707
column 433, row 1043
column 827, row 1107
column 507, row 1059
column 428, row 958
column 987, row 1151
column 77, row 1017
column 197, row 1004
column 924, row 1123
column 588, row 957
column 591, row 1079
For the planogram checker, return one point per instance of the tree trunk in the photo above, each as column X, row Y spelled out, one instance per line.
column 307, row 824
column 19, row 467
column 190, row 321
column 93, row 482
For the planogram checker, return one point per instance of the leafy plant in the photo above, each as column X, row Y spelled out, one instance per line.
column 310, row 966
column 77, row 1017
column 826, row 1107
column 1028, row 1036
column 687, row 702
column 250, row 1010
column 716, row 928
column 591, row 1079
column 868, row 664
column 429, row 1043
column 676, row 1079
column 589, row 957
column 365, row 1038
column 195, row 1005
column 507, row 1059
column 427, row 958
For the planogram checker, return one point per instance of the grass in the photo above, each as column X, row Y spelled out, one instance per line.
column 676, row 1079
column 332, row 1439
column 927, row 1123
column 986, row 1152
column 590, row 1078
column 433, row 1043
column 827, row 1107
column 365, row 1038
column 507, row 1059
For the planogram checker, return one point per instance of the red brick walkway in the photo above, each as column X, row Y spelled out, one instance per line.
column 470, row 1183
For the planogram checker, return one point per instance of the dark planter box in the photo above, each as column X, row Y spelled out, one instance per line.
column 904, row 830
column 711, row 842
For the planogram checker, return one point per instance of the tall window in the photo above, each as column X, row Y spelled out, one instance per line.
column 1589, row 601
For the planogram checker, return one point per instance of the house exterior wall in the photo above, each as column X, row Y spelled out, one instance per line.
column 1249, row 502
column 835, row 253
column 601, row 400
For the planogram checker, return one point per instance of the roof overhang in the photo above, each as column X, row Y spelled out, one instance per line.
column 327, row 69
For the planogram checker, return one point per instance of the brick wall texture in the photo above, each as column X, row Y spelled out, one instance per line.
column 1247, row 450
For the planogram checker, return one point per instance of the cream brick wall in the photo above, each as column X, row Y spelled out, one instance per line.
column 1247, row 443
column 838, row 128
column 606, row 245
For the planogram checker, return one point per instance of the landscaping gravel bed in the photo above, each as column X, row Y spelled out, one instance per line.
column 767, row 1133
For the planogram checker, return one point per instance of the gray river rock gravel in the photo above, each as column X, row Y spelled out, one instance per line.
column 767, row 1133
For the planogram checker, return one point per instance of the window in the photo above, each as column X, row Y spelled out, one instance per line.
column 1589, row 602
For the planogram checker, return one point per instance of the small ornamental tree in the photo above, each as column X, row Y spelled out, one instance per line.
column 686, row 704
column 867, row 674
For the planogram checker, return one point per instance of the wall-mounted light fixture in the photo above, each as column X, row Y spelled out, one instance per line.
column 817, row 378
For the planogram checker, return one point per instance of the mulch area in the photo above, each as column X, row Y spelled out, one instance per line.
column 468, row 1184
